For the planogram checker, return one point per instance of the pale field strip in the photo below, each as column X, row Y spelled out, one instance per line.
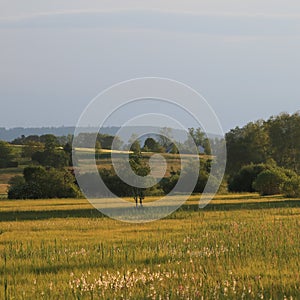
column 3, row 188
column 92, row 150
column 73, row 204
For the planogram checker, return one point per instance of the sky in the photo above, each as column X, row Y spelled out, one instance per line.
column 56, row 56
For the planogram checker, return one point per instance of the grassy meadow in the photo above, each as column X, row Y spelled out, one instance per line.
column 238, row 247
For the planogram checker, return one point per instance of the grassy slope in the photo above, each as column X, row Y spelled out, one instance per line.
column 239, row 246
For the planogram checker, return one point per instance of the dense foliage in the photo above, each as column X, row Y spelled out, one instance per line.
column 291, row 187
column 104, row 141
column 269, row 182
column 243, row 180
column 277, row 138
column 262, row 156
column 267, row 179
column 251, row 149
column 38, row 183
column 117, row 187
column 7, row 156
column 151, row 145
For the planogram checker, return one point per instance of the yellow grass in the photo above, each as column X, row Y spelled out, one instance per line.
column 239, row 247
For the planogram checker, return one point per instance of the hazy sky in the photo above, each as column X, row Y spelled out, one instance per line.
column 242, row 56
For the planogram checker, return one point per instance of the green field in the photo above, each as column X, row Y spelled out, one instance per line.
column 238, row 247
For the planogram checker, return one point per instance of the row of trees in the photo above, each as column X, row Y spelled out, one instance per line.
column 50, row 175
column 161, row 143
column 278, row 138
column 141, row 168
column 267, row 179
column 264, row 156
column 41, row 139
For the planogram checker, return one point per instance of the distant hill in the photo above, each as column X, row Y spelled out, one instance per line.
column 13, row 133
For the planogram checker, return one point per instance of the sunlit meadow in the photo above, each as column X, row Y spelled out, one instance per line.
column 238, row 247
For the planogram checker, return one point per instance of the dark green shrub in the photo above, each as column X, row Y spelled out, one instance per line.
column 243, row 180
column 269, row 182
column 38, row 183
column 167, row 184
column 54, row 159
column 291, row 187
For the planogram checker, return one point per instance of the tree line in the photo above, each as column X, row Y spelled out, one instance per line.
column 262, row 156
column 51, row 171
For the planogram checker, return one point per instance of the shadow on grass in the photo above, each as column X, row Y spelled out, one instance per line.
column 57, row 267
column 93, row 213
column 244, row 206
column 42, row 215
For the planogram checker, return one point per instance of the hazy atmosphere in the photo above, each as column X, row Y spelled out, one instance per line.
column 149, row 150
column 242, row 56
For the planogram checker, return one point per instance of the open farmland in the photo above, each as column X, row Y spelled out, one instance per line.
column 103, row 158
column 238, row 247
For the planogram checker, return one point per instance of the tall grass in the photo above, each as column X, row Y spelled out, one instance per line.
column 223, row 252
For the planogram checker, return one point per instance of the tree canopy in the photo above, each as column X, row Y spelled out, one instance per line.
column 278, row 138
column 6, row 155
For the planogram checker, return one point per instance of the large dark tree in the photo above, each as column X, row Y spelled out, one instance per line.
column 277, row 139
column 284, row 134
column 6, row 155
column 38, row 183
column 152, row 145
column 55, row 158
column 246, row 145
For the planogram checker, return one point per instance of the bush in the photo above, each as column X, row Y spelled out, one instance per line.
column 270, row 182
column 20, row 189
column 115, row 186
column 38, row 183
column 243, row 180
column 55, row 158
column 152, row 145
column 189, row 171
column 156, row 190
column 291, row 187
column 167, row 184
column 201, row 182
